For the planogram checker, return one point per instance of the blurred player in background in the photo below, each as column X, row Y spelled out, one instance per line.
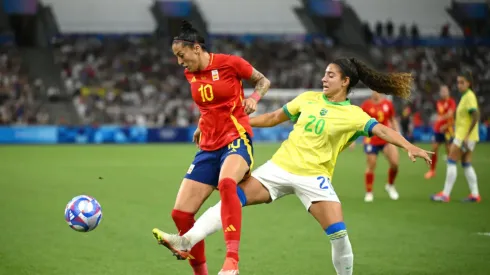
column 443, row 127
column 463, row 145
column 326, row 123
column 223, row 136
column 405, row 121
column 382, row 110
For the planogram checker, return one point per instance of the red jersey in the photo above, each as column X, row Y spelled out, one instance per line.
column 217, row 90
column 443, row 107
column 382, row 112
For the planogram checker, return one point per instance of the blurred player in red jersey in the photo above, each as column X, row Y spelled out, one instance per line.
column 224, row 138
column 443, row 127
column 382, row 110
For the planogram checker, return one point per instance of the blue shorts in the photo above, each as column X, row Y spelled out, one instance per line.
column 207, row 164
column 373, row 149
column 442, row 137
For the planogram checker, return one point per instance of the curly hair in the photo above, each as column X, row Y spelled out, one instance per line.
column 397, row 84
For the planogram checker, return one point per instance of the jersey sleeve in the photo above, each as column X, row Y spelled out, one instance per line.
column 293, row 108
column 242, row 67
column 362, row 123
column 471, row 104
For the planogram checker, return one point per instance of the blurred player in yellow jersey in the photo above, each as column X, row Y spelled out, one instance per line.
column 466, row 137
column 326, row 123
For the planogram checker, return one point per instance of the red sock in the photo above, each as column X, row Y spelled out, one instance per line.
column 369, row 179
column 184, row 222
column 434, row 161
column 392, row 175
column 231, row 216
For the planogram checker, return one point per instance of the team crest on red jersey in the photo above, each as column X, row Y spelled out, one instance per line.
column 215, row 75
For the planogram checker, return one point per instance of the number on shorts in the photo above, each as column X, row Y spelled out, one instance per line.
column 323, row 182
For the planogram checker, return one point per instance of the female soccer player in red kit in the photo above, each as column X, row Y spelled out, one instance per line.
column 223, row 136
column 443, row 127
column 382, row 110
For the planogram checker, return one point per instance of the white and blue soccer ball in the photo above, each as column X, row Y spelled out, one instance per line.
column 83, row 213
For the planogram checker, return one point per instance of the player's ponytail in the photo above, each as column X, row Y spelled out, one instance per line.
column 397, row 84
column 189, row 36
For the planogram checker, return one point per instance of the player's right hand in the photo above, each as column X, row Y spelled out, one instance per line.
column 197, row 137
column 415, row 152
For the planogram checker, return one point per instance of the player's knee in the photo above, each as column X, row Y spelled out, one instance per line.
column 336, row 231
column 180, row 217
column 227, row 184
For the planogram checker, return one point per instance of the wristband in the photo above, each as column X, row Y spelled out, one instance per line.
column 256, row 96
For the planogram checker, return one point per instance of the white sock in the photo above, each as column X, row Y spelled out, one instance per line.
column 342, row 256
column 451, row 174
column 470, row 174
column 207, row 224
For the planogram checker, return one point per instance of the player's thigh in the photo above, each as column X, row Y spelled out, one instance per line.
column 191, row 196
column 313, row 189
column 254, row 191
column 199, row 182
column 237, row 159
column 275, row 183
column 391, row 153
column 467, row 156
column 327, row 213
column 371, row 152
column 455, row 150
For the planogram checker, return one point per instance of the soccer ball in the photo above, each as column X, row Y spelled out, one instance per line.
column 83, row 213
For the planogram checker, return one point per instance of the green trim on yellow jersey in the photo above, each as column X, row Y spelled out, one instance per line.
column 341, row 103
column 367, row 130
column 293, row 118
column 471, row 110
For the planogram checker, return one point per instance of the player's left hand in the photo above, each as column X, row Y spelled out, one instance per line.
column 250, row 105
column 415, row 152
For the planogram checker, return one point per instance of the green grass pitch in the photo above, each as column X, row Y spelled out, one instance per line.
column 137, row 191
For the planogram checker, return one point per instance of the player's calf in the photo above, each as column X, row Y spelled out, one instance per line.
column 342, row 256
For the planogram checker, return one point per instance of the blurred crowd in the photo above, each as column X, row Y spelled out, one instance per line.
column 136, row 80
column 18, row 102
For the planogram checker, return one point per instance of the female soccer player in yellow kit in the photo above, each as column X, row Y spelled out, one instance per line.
column 466, row 137
column 326, row 123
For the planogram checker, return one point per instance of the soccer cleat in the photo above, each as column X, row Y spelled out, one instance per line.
column 440, row 197
column 369, row 197
column 230, row 267
column 430, row 174
column 176, row 244
column 390, row 188
column 472, row 198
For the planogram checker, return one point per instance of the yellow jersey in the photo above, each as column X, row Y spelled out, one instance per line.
column 467, row 105
column 322, row 130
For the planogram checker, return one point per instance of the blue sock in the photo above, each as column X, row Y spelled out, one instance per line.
column 241, row 196
column 336, row 231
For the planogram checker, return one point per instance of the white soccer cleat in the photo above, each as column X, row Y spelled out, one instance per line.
column 369, row 197
column 392, row 192
column 175, row 243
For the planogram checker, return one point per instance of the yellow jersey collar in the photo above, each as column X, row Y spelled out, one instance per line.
column 342, row 103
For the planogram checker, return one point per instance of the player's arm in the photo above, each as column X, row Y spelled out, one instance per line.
column 449, row 114
column 394, row 124
column 269, row 119
column 393, row 137
column 261, row 84
column 475, row 117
